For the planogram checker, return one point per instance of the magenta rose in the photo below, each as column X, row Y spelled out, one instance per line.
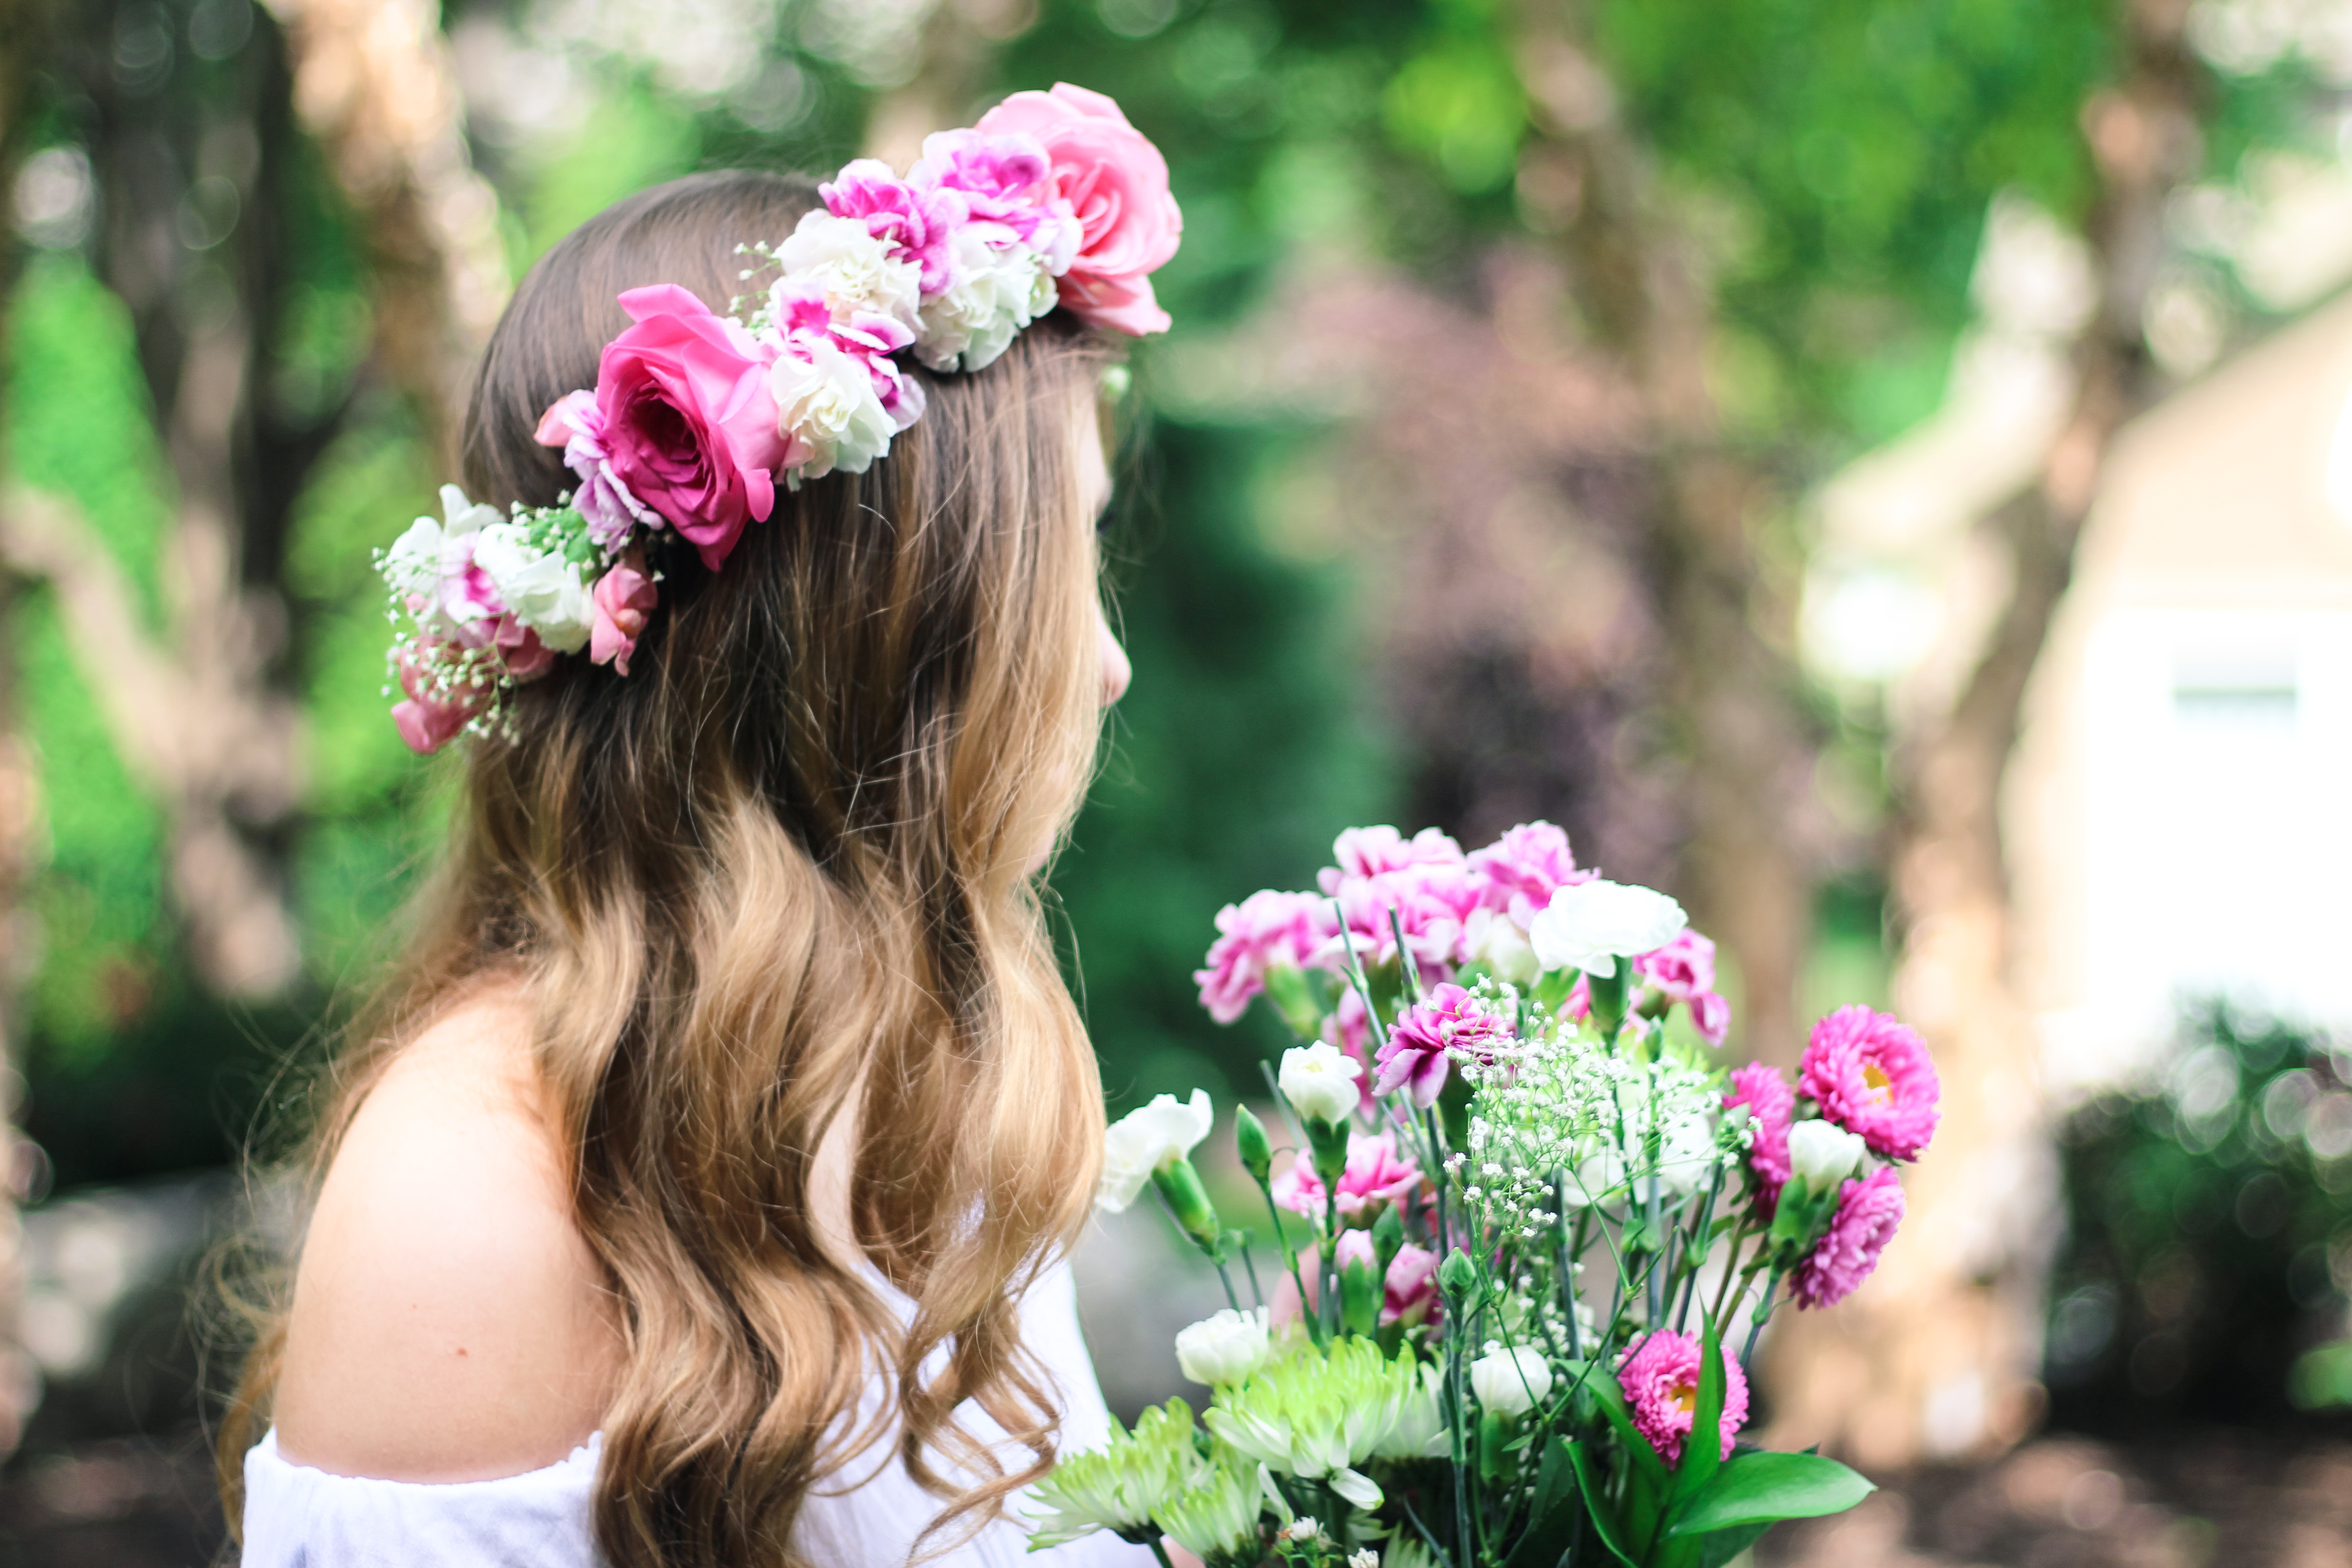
column 1116, row 184
column 689, row 424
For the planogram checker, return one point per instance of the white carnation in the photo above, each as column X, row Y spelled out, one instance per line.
column 1592, row 925
column 826, row 397
column 1492, row 937
column 1142, row 1140
column 1821, row 1155
column 1223, row 1348
column 541, row 590
column 1511, row 1383
column 854, row 269
column 1321, row 1083
column 999, row 289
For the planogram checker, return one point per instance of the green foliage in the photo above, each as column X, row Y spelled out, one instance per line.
column 2210, row 1236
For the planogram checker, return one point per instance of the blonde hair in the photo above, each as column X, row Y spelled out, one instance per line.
column 780, row 870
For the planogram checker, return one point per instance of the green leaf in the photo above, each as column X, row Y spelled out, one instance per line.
column 1602, row 1386
column 1703, row 1450
column 1759, row 1486
column 1551, row 1510
column 1596, row 1503
column 1721, row 1546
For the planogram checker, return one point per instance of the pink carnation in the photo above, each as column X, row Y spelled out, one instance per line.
column 1266, row 928
column 1771, row 1104
column 1115, row 183
column 1659, row 1373
column 576, row 424
column 625, row 597
column 1006, row 181
column 1415, row 1057
column 1363, row 852
column 918, row 222
column 1375, row 1175
column 1873, row 1077
column 1869, row 1210
column 1409, row 1295
column 1684, row 970
column 689, row 425
column 1524, row 868
column 1432, row 901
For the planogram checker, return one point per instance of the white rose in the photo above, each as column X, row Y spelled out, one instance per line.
column 999, row 289
column 1320, row 1082
column 1142, row 1140
column 854, row 269
column 1821, row 1155
column 827, row 400
column 1225, row 1348
column 1492, row 937
column 1593, row 924
column 543, row 591
column 1511, row 1383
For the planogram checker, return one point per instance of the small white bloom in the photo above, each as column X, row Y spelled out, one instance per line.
column 1142, row 1140
column 543, row 590
column 1304, row 1528
column 1364, row 1557
column 826, row 397
column 1001, row 287
column 1320, row 1082
column 1821, row 1155
column 1593, row 924
column 1494, row 939
column 1223, row 1348
column 1511, row 1383
column 413, row 564
column 854, row 269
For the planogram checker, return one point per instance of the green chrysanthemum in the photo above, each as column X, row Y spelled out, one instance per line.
column 1121, row 1487
column 1217, row 1519
column 1318, row 1415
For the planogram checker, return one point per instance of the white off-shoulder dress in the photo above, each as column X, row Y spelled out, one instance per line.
column 296, row 1516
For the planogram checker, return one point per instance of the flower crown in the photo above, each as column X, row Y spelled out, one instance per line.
column 1052, row 199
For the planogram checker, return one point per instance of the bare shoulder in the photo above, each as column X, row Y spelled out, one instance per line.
column 448, row 1323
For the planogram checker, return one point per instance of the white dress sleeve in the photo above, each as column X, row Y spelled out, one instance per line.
column 296, row 1516
column 870, row 1517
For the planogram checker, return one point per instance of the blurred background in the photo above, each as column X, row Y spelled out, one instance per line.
column 1881, row 469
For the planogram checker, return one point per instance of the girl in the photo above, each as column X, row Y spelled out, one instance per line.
column 695, row 1191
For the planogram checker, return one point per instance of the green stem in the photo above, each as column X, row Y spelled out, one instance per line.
column 1161, row 1552
column 1695, row 1255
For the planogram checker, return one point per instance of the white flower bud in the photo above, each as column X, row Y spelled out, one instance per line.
column 1821, row 1155
column 1225, row 1348
column 1320, row 1082
column 1510, row 1383
column 1593, row 924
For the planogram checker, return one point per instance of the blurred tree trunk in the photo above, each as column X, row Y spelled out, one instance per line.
column 958, row 39
column 1938, row 1358
column 1728, row 676
column 25, row 26
column 373, row 83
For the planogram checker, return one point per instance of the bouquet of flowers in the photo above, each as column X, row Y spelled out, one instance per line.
column 1525, row 1215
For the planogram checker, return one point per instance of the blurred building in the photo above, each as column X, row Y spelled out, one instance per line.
column 2177, row 815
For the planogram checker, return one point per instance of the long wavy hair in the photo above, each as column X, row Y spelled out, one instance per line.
column 780, row 874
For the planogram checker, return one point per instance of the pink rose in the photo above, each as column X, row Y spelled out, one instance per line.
column 1116, row 183
column 689, row 425
column 574, row 423
column 430, row 720
column 625, row 597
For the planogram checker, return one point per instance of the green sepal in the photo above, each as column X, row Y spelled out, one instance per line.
column 1296, row 999
column 1758, row 1486
column 1180, row 1187
column 1360, row 1298
column 1493, row 1441
column 1388, row 1236
column 1328, row 1140
column 1251, row 1143
column 1606, row 995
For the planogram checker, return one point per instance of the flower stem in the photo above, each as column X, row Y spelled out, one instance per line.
column 1161, row 1552
column 1694, row 1256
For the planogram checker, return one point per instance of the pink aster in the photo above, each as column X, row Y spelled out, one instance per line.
column 1873, row 1077
column 1659, row 1373
column 1771, row 1104
column 1416, row 1056
column 1375, row 1174
column 1684, row 970
column 1524, row 868
column 1266, row 928
column 1869, row 1210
